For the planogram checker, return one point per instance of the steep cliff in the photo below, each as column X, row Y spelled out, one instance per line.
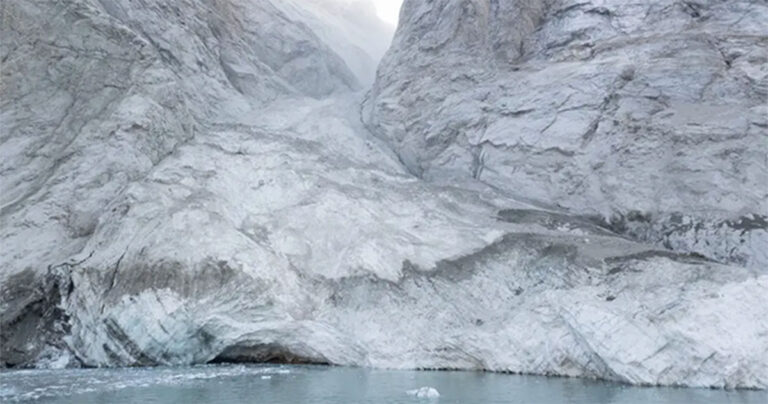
column 536, row 187
column 651, row 115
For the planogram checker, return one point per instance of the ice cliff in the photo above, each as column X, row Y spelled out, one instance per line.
column 549, row 187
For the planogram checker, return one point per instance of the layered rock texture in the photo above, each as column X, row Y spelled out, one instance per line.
column 550, row 187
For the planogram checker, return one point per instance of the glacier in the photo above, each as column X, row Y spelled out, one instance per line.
column 546, row 187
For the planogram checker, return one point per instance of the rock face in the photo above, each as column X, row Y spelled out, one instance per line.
column 651, row 115
column 545, row 187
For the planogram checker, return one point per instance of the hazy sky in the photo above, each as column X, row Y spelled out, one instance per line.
column 388, row 10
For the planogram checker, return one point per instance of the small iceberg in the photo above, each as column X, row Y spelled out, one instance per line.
column 266, row 377
column 424, row 392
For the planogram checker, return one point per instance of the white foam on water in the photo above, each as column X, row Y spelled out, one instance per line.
column 43, row 383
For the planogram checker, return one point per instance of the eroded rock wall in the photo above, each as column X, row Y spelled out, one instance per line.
column 651, row 115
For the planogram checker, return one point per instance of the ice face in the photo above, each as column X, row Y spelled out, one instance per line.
column 193, row 183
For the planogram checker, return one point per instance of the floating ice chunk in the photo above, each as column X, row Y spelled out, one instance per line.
column 266, row 377
column 424, row 392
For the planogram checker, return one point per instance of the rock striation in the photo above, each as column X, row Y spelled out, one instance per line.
column 651, row 116
column 552, row 187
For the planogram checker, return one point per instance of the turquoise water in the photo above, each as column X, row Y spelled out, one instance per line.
column 318, row 384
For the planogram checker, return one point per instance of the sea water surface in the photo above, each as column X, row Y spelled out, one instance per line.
column 323, row 384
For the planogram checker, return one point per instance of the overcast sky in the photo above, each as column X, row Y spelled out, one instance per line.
column 388, row 10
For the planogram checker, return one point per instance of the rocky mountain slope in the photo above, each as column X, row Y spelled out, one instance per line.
column 649, row 115
column 553, row 187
